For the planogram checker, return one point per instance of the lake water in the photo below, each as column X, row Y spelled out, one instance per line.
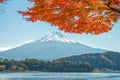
column 59, row 76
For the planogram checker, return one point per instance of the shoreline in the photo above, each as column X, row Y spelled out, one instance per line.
column 57, row 72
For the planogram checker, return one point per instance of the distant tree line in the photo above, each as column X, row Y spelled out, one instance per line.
column 43, row 66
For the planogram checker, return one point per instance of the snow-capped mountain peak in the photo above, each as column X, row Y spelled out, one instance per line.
column 52, row 46
column 56, row 36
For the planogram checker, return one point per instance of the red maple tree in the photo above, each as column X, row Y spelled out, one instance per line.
column 76, row 16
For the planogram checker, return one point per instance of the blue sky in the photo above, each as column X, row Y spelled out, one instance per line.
column 15, row 31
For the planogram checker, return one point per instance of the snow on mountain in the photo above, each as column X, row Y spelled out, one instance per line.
column 56, row 36
column 52, row 46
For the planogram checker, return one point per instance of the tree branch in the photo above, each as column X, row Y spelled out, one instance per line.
column 112, row 8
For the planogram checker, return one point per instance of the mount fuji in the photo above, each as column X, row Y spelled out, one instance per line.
column 52, row 46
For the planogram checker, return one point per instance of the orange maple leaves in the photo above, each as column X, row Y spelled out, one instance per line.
column 76, row 16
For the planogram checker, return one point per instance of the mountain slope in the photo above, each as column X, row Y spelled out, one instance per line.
column 110, row 60
column 52, row 46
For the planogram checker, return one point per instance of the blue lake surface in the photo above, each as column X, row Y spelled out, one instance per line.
column 59, row 76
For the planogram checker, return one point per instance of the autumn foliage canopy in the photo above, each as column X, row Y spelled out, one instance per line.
column 76, row 16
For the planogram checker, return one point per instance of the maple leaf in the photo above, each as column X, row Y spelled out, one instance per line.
column 76, row 16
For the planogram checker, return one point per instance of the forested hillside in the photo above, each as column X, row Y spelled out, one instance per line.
column 109, row 60
column 43, row 66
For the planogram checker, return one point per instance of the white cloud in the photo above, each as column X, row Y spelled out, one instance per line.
column 28, row 41
column 5, row 48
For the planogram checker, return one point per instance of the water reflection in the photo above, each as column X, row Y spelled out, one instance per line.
column 59, row 76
